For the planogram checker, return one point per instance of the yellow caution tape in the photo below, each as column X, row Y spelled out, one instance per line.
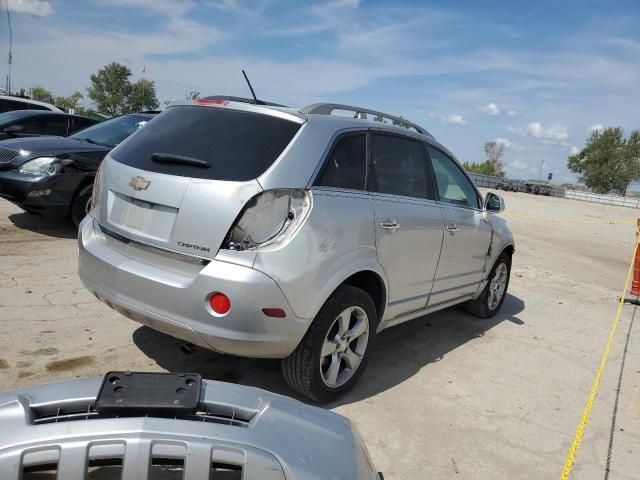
column 571, row 455
column 566, row 220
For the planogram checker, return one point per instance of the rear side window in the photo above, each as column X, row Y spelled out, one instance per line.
column 236, row 145
column 345, row 167
column 46, row 125
column 399, row 167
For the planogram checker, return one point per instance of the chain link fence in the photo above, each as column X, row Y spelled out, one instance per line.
column 539, row 187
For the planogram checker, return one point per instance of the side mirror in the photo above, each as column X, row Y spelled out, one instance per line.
column 14, row 129
column 493, row 203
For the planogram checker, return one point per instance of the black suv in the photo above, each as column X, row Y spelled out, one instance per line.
column 31, row 123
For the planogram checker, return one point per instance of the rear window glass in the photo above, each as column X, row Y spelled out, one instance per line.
column 237, row 145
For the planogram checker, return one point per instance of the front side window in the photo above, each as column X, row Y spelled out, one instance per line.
column 398, row 167
column 453, row 186
column 345, row 167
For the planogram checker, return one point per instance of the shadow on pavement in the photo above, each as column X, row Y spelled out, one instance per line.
column 61, row 228
column 411, row 346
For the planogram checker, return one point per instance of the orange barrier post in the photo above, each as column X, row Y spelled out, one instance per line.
column 634, row 294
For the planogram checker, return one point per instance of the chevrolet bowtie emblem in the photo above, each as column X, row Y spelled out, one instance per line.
column 139, row 183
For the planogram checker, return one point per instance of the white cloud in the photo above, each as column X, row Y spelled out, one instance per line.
column 517, row 130
column 490, row 109
column 453, row 119
column 518, row 165
column 574, row 150
column 596, row 127
column 511, row 113
column 41, row 8
column 555, row 134
column 503, row 141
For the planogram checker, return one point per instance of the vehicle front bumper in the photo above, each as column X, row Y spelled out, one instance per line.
column 36, row 194
column 176, row 302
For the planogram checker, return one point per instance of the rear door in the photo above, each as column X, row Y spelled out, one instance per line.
column 408, row 221
column 187, row 205
column 467, row 235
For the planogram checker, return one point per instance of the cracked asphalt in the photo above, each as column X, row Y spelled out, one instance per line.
column 445, row 396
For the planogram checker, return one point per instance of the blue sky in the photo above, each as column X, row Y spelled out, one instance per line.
column 537, row 76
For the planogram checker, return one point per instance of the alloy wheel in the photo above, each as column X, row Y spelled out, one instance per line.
column 344, row 346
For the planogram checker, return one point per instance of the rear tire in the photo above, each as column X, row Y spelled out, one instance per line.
column 487, row 304
column 80, row 204
column 335, row 350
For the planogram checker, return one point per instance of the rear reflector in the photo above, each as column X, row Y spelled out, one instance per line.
column 274, row 312
column 220, row 303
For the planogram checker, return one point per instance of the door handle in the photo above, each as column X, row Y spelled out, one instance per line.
column 452, row 227
column 390, row 225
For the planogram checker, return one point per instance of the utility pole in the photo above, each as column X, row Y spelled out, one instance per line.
column 6, row 4
column 540, row 174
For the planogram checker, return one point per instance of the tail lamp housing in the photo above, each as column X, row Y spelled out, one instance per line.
column 268, row 219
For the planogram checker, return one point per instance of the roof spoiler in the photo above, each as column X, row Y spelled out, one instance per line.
column 243, row 100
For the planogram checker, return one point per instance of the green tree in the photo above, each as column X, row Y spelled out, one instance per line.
column 41, row 94
column 609, row 162
column 485, row 168
column 192, row 95
column 143, row 96
column 61, row 102
column 402, row 122
column 378, row 118
column 73, row 99
column 495, row 151
column 110, row 89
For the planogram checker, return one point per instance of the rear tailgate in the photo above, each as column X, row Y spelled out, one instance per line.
column 182, row 214
column 181, row 181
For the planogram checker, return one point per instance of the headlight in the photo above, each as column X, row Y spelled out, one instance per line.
column 43, row 166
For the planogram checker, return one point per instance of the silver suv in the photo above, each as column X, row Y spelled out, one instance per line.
column 264, row 231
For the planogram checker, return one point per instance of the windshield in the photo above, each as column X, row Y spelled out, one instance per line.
column 111, row 132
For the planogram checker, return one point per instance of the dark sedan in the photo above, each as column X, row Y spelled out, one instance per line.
column 53, row 176
column 32, row 123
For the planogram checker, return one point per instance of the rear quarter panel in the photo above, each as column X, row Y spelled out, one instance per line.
column 336, row 241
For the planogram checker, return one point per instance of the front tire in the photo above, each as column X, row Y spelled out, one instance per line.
column 335, row 350
column 494, row 293
column 80, row 205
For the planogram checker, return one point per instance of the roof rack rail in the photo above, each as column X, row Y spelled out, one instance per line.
column 328, row 108
column 242, row 100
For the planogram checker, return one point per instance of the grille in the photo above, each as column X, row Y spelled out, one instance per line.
column 222, row 414
column 6, row 154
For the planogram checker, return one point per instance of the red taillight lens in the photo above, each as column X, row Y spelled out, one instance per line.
column 205, row 101
column 96, row 183
column 220, row 303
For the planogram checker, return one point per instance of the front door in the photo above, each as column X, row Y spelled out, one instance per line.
column 467, row 236
column 408, row 221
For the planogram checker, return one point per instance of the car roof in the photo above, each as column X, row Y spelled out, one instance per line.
column 13, row 98
column 21, row 114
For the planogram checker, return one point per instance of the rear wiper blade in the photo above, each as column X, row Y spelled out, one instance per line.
column 180, row 159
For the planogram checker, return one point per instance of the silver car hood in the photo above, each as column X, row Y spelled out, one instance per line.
column 269, row 436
